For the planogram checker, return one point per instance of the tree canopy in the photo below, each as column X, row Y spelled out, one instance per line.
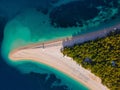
column 101, row 57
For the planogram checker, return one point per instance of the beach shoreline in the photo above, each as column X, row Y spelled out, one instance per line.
column 47, row 52
column 94, row 34
column 61, row 63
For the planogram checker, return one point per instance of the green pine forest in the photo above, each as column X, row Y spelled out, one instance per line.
column 101, row 56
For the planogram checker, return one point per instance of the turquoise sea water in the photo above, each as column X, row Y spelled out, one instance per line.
column 41, row 68
column 20, row 34
column 33, row 26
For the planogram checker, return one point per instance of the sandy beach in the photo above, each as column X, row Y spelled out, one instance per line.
column 53, row 57
column 49, row 53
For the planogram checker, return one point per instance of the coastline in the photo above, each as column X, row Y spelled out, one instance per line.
column 94, row 34
column 42, row 53
column 57, row 61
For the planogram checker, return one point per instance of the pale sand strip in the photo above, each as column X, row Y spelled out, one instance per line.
column 69, row 41
column 53, row 57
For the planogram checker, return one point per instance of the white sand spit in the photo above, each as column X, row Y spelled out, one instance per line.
column 53, row 57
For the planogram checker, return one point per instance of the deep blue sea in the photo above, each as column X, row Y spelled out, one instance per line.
column 71, row 17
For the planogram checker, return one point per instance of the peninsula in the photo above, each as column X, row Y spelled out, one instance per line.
column 49, row 53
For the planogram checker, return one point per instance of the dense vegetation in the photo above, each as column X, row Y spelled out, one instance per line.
column 101, row 56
